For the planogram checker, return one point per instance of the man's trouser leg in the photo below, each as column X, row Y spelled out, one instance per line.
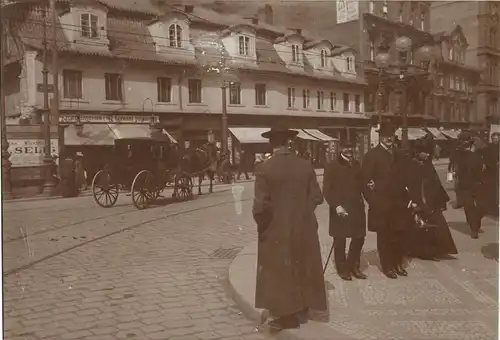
column 339, row 254
column 398, row 247
column 472, row 213
column 354, row 254
column 384, row 250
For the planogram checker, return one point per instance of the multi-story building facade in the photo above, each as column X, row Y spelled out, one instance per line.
column 125, row 64
column 480, row 21
column 455, row 83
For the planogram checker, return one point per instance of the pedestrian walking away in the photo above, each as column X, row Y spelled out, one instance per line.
column 431, row 239
column 290, row 281
column 471, row 185
column 342, row 188
column 384, row 188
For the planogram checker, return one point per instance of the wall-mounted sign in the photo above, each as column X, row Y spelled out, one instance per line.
column 41, row 88
column 117, row 119
column 30, row 152
column 347, row 10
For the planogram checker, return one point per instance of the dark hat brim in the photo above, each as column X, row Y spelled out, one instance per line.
column 280, row 132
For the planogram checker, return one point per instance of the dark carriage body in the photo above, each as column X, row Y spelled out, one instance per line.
column 144, row 166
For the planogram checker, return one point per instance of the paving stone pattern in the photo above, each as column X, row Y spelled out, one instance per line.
column 158, row 280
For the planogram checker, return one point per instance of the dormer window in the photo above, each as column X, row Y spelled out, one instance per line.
column 323, row 58
column 350, row 64
column 295, row 54
column 88, row 23
column 175, row 35
column 244, row 45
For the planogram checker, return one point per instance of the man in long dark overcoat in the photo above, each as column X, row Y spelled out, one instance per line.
column 289, row 268
column 471, row 186
column 342, row 188
column 384, row 188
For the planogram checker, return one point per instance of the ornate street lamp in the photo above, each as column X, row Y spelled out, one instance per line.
column 214, row 59
column 402, row 74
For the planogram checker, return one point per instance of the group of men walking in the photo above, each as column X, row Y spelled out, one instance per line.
column 406, row 202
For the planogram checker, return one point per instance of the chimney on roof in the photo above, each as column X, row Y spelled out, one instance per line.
column 188, row 8
column 265, row 14
column 252, row 20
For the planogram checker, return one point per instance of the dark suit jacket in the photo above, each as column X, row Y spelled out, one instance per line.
column 388, row 201
column 343, row 185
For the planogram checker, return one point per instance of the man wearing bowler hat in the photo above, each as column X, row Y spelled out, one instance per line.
column 289, row 270
column 343, row 188
column 384, row 188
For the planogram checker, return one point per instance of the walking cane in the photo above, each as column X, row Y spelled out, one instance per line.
column 328, row 259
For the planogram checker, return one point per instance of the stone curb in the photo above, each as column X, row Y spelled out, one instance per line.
column 242, row 274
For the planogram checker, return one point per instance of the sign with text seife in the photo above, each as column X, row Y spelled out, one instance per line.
column 29, row 152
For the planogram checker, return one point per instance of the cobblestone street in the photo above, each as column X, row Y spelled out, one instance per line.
column 73, row 270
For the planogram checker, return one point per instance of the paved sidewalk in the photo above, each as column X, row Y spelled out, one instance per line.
column 451, row 299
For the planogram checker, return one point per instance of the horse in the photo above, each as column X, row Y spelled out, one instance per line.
column 201, row 161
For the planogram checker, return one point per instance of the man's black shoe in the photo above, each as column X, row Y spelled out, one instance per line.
column 358, row 274
column 345, row 276
column 303, row 316
column 474, row 234
column 286, row 322
column 390, row 274
column 400, row 271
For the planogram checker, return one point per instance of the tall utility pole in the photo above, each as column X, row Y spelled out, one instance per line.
column 53, row 111
column 55, row 76
column 6, row 164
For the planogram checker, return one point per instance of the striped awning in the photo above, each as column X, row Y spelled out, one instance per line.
column 451, row 134
column 304, row 135
column 319, row 135
column 413, row 133
column 436, row 133
column 249, row 135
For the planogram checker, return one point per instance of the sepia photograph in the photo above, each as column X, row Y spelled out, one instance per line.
column 250, row 169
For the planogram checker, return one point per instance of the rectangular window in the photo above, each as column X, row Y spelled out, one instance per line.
column 401, row 8
column 194, row 90
column 72, row 84
column 88, row 23
column 235, row 93
column 114, row 86
column 164, row 89
column 422, row 21
column 291, row 97
column 385, row 9
column 244, row 44
column 357, row 103
column 350, row 64
column 295, row 54
column 333, row 101
column 305, row 98
column 372, row 50
column 346, row 102
column 321, row 99
column 260, row 94
column 372, row 6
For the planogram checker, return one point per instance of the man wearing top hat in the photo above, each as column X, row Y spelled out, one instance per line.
column 343, row 188
column 289, row 270
column 384, row 188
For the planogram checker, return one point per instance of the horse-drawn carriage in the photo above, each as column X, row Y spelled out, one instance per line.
column 144, row 167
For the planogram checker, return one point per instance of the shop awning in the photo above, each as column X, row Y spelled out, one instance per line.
column 319, row 135
column 249, row 135
column 413, row 133
column 436, row 133
column 451, row 134
column 106, row 134
column 305, row 136
column 92, row 134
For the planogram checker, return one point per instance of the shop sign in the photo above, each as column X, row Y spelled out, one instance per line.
column 29, row 152
column 108, row 119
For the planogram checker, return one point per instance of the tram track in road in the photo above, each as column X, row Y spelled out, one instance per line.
column 134, row 226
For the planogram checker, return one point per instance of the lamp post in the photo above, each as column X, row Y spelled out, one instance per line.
column 6, row 164
column 401, row 73
column 213, row 58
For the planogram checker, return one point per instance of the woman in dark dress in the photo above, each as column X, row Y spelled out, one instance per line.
column 431, row 238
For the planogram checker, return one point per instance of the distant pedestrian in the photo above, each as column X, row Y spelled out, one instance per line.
column 492, row 173
column 289, row 276
column 471, row 185
column 67, row 172
column 80, row 179
column 242, row 165
column 342, row 189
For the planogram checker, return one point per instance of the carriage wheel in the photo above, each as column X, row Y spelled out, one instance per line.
column 143, row 189
column 104, row 191
column 185, row 187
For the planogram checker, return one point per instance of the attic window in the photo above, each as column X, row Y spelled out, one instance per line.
column 295, row 54
column 350, row 64
column 88, row 23
column 175, row 35
column 323, row 58
column 244, row 45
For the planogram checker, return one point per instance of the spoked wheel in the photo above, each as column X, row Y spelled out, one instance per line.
column 185, row 187
column 104, row 191
column 144, row 189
